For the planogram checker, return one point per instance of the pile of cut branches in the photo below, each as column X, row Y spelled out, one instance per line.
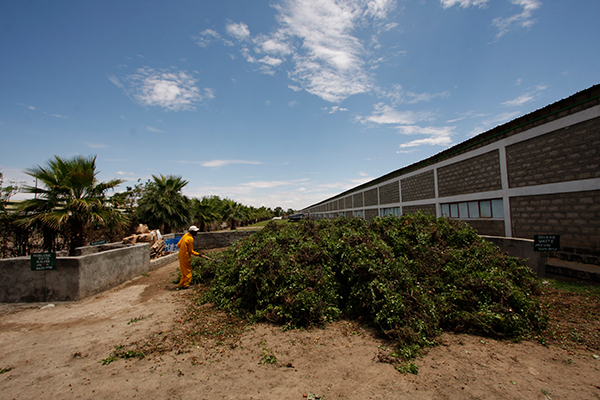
column 411, row 277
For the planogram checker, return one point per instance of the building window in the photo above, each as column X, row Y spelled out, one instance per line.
column 359, row 214
column 474, row 209
column 395, row 211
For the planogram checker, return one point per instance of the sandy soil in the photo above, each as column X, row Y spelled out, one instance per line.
column 56, row 352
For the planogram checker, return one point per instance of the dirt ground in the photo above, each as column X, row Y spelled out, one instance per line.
column 73, row 350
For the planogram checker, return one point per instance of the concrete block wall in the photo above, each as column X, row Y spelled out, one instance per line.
column 390, row 193
column 576, row 216
column 371, row 197
column 418, row 187
column 560, row 156
column 476, row 174
column 74, row 278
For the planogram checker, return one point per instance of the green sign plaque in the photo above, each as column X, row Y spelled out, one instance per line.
column 546, row 242
column 43, row 261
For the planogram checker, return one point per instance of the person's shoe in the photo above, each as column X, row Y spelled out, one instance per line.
column 182, row 288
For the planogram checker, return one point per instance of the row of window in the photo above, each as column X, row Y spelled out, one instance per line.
column 467, row 209
column 474, row 209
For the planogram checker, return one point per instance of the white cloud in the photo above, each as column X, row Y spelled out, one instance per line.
column 56, row 115
column 463, row 3
column 436, row 136
column 524, row 19
column 400, row 96
column 206, row 37
column 27, row 106
column 272, row 184
column 521, row 20
column 272, row 61
column 115, row 81
column 385, row 114
column 156, row 130
column 239, row 31
column 171, row 90
column 525, row 97
column 223, row 163
column 334, row 109
column 96, row 145
column 318, row 37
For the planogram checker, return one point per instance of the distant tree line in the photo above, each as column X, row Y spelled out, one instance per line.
column 68, row 207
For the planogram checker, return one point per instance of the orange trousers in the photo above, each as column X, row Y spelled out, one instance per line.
column 185, row 265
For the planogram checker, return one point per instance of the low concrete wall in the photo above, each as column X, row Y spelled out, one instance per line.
column 75, row 277
column 94, row 269
column 521, row 248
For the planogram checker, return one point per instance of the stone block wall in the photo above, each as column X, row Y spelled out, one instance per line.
column 560, row 156
column 389, row 193
column 418, row 187
column 371, row 197
column 476, row 174
column 424, row 208
column 357, row 200
column 487, row 227
column 371, row 213
column 348, row 201
column 574, row 216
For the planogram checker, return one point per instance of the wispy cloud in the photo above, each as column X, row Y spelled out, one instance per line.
column 435, row 136
column 334, row 109
column 524, row 19
column 173, row 90
column 155, row 130
column 223, row 163
column 272, row 184
column 318, row 38
column 525, row 97
column 26, row 106
column 96, row 145
column 239, row 30
column 463, row 3
column 206, row 37
column 32, row 108
column 384, row 114
column 400, row 96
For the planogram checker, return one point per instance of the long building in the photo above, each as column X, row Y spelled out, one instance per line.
column 536, row 175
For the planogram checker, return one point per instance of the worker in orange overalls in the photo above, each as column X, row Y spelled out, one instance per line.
column 186, row 249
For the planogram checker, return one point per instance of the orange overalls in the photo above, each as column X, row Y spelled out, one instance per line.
column 186, row 249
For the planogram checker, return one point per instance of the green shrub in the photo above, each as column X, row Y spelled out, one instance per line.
column 410, row 276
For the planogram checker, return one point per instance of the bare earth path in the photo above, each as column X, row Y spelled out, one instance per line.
column 55, row 353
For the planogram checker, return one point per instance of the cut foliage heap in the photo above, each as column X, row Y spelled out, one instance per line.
column 411, row 277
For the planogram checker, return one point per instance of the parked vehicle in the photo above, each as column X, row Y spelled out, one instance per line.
column 296, row 217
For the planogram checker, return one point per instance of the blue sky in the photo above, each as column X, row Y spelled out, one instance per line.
column 277, row 103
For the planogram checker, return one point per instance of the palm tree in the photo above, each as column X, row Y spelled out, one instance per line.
column 233, row 212
column 205, row 211
column 70, row 198
column 163, row 205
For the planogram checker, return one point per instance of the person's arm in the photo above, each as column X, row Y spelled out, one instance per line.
column 190, row 248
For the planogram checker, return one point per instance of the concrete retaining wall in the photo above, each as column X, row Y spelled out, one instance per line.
column 94, row 269
column 75, row 277
column 522, row 248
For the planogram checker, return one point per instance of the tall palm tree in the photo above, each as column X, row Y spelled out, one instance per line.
column 163, row 205
column 205, row 211
column 70, row 198
column 233, row 212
